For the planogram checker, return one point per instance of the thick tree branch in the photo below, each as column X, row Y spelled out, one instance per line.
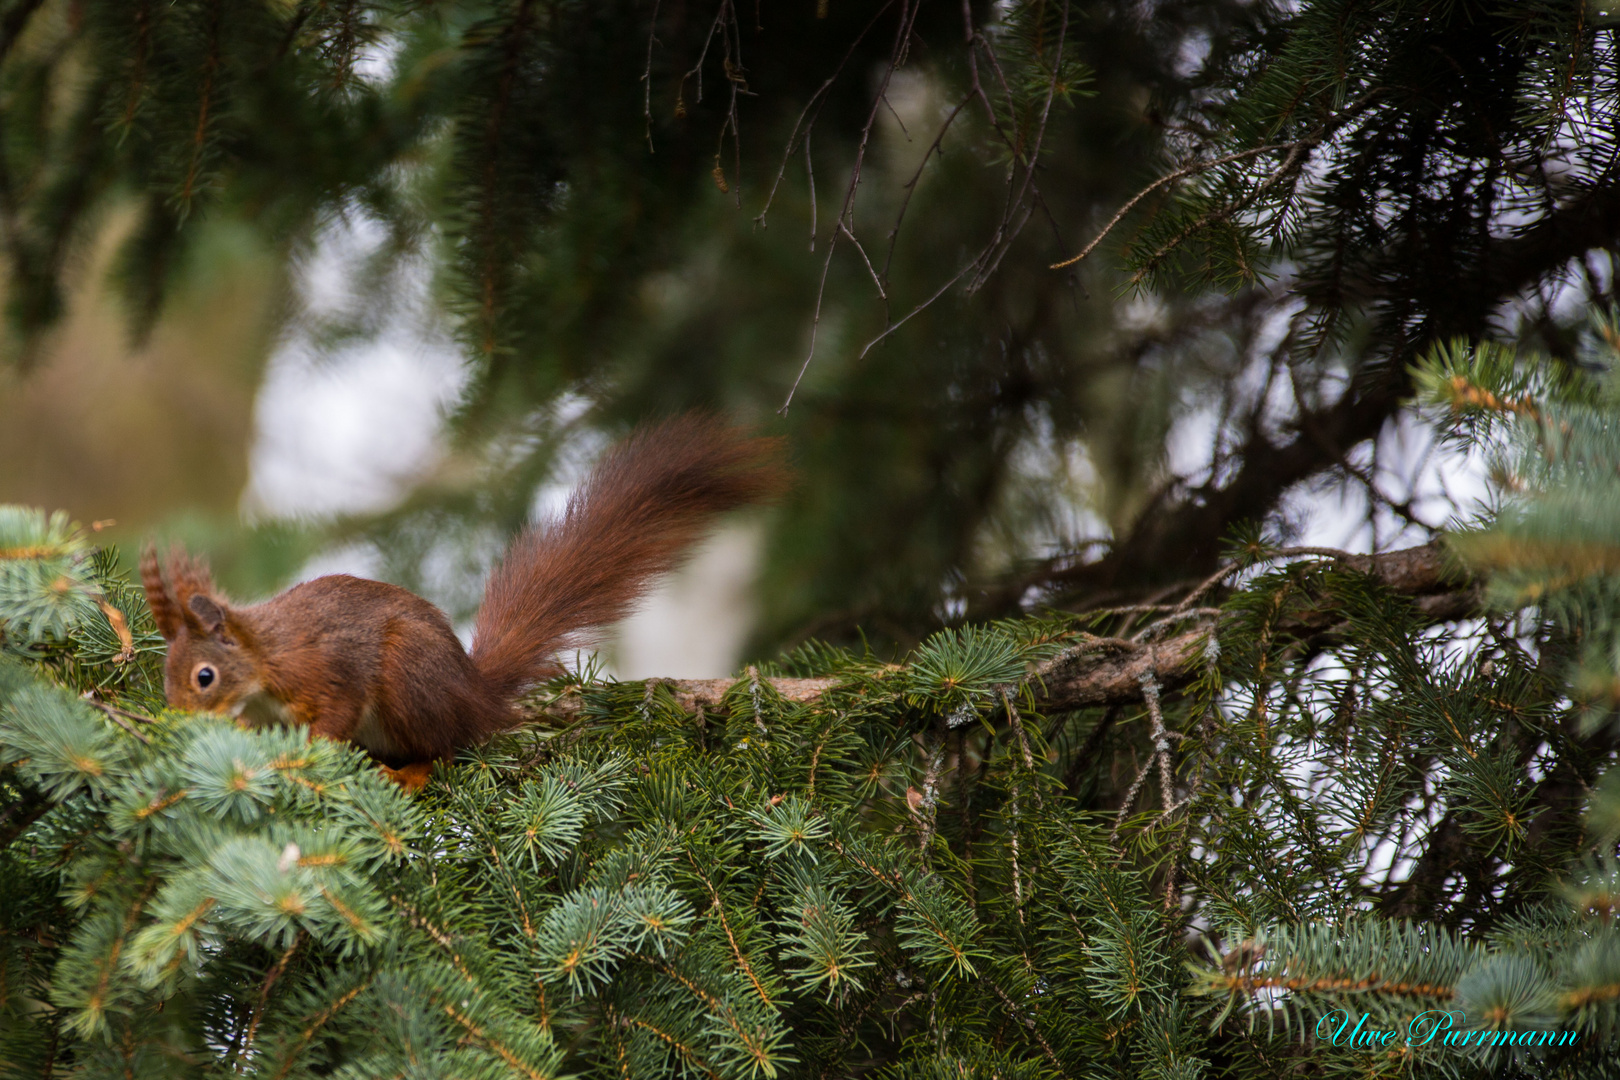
column 1182, row 539
column 1108, row 672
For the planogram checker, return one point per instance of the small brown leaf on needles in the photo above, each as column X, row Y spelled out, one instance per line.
column 126, row 640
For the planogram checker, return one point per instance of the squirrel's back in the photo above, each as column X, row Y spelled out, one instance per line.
column 633, row 519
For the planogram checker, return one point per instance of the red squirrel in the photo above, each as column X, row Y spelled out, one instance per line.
column 377, row 665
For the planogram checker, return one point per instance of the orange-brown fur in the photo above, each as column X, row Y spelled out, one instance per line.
column 379, row 666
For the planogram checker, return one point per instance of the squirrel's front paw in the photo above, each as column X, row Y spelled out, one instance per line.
column 412, row 777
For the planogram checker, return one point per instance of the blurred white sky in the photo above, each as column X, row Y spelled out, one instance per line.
column 344, row 429
column 346, row 433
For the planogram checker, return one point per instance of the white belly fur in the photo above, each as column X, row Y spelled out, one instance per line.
column 260, row 709
column 370, row 734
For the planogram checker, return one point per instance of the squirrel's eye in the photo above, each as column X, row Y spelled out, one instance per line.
column 205, row 676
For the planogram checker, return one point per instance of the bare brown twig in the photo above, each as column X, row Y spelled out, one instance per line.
column 846, row 214
column 911, row 185
column 646, row 75
column 118, row 716
column 815, row 103
column 1016, row 207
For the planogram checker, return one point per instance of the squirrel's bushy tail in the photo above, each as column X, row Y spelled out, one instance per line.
column 633, row 519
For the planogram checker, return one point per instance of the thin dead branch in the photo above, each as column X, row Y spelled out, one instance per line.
column 846, row 214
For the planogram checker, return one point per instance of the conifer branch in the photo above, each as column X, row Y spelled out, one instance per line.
column 1109, row 671
column 688, row 1056
column 910, row 186
column 814, row 104
column 244, row 1054
column 317, row 1022
column 1254, row 985
column 496, row 1046
column 736, row 950
column 205, row 105
column 1171, row 177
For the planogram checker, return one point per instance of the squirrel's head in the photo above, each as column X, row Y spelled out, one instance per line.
column 209, row 668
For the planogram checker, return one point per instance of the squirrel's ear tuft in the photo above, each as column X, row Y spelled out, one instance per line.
column 210, row 616
column 164, row 611
column 200, row 606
